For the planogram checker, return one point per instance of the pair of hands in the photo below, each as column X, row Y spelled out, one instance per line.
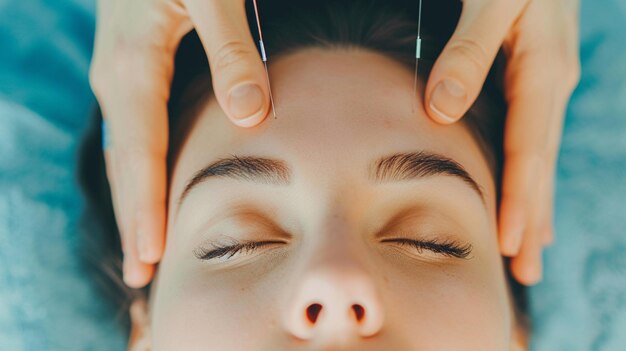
column 132, row 69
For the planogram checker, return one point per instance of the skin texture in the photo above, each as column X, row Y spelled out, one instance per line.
column 132, row 68
column 331, row 220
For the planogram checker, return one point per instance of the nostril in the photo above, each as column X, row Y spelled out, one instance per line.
column 359, row 312
column 313, row 311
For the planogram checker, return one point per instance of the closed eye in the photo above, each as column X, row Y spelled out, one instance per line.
column 447, row 248
column 233, row 249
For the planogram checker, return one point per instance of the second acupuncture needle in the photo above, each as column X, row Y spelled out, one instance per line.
column 263, row 56
column 418, row 49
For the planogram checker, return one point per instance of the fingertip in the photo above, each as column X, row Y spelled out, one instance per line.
column 150, row 247
column 527, row 269
column 136, row 274
column 251, row 121
column 511, row 242
column 512, row 227
column 247, row 105
column 527, row 266
column 448, row 101
column 149, row 253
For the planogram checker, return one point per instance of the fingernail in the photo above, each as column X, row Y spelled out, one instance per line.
column 246, row 102
column 448, row 100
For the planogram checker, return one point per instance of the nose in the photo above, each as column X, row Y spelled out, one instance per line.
column 335, row 303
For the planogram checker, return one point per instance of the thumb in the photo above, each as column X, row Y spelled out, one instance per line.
column 237, row 71
column 460, row 71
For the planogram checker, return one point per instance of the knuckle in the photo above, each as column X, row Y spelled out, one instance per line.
column 573, row 74
column 95, row 79
column 126, row 76
column 230, row 53
column 566, row 77
column 119, row 66
column 567, row 71
column 123, row 62
column 470, row 51
column 567, row 65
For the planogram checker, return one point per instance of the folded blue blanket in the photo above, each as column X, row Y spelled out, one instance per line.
column 47, row 302
column 581, row 304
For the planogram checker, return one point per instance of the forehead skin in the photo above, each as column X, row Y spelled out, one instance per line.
column 335, row 116
column 337, row 111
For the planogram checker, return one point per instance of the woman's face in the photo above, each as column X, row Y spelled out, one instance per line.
column 344, row 245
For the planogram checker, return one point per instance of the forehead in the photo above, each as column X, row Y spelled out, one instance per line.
column 336, row 112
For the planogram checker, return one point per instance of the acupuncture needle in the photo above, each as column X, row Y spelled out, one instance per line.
column 418, row 49
column 263, row 56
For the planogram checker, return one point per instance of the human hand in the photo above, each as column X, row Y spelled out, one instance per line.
column 131, row 74
column 540, row 39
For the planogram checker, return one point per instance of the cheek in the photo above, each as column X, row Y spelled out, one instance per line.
column 197, row 310
column 451, row 308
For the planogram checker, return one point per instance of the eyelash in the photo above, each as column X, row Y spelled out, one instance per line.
column 219, row 251
column 445, row 248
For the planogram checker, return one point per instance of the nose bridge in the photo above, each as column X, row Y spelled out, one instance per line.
column 335, row 239
column 335, row 295
column 338, row 245
column 338, row 257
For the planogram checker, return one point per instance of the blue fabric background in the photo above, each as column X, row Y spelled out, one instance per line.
column 47, row 304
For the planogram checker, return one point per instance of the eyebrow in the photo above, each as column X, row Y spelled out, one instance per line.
column 422, row 164
column 391, row 168
column 248, row 168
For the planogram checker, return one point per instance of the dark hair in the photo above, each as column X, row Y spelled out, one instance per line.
column 385, row 26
